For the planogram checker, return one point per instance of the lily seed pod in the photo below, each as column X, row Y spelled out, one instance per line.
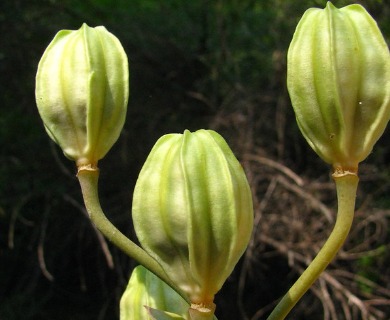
column 145, row 290
column 82, row 90
column 338, row 78
column 193, row 212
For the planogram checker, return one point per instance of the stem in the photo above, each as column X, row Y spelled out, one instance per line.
column 346, row 186
column 201, row 312
column 88, row 178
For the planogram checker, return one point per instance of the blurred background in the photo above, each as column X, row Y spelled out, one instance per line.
column 194, row 64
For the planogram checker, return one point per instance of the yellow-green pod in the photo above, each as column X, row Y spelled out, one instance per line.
column 338, row 79
column 147, row 297
column 145, row 290
column 82, row 89
column 193, row 212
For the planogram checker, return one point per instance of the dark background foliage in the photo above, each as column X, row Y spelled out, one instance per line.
column 194, row 64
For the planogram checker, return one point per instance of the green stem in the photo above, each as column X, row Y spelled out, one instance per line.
column 346, row 186
column 88, row 178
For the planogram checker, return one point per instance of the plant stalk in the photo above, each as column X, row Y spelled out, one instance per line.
column 88, row 178
column 346, row 186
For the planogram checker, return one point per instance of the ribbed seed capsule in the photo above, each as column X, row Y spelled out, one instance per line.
column 192, row 211
column 339, row 82
column 146, row 290
column 82, row 89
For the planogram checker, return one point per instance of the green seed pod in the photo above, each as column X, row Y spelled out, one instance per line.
column 339, row 82
column 147, row 290
column 193, row 212
column 82, row 89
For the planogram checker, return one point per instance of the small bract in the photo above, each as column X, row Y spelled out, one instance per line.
column 82, row 89
column 193, row 212
column 338, row 79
